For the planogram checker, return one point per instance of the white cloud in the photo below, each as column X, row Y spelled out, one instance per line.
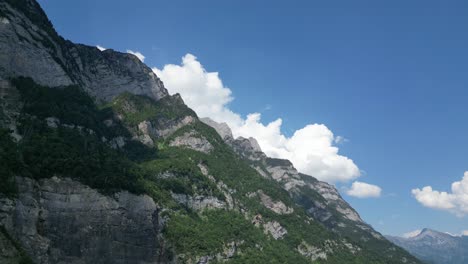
column 364, row 190
column 455, row 201
column 311, row 149
column 464, row 233
column 101, row 48
column 412, row 233
column 138, row 54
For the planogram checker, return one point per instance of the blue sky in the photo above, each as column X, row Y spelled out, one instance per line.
column 389, row 76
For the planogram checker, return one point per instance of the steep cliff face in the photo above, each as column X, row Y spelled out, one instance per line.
column 108, row 168
column 30, row 47
column 61, row 220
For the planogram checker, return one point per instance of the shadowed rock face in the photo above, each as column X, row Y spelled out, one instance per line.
column 62, row 221
column 38, row 52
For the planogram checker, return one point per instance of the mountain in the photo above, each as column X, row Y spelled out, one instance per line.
column 435, row 247
column 99, row 164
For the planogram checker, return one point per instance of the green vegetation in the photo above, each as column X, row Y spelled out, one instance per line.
column 9, row 163
column 75, row 148
column 138, row 108
column 209, row 233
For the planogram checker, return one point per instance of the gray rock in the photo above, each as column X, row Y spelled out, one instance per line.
column 275, row 229
column 62, row 221
column 22, row 50
column 117, row 142
column 52, row 122
column 276, row 206
column 222, row 128
column 193, row 141
column 166, row 129
column 221, row 186
column 198, row 202
column 28, row 50
column 312, row 252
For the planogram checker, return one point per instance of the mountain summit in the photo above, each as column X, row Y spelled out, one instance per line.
column 433, row 246
column 99, row 164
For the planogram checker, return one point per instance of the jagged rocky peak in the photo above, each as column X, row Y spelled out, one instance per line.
column 222, row 128
column 29, row 46
column 248, row 144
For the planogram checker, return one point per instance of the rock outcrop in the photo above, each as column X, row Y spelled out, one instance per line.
column 192, row 141
column 275, row 229
column 63, row 221
column 29, row 46
column 222, row 128
column 198, row 202
column 276, row 206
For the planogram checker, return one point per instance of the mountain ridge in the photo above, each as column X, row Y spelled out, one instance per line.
column 99, row 128
column 435, row 247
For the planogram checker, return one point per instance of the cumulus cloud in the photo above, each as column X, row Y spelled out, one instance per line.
column 101, row 48
column 364, row 190
column 138, row 54
column 455, row 201
column 412, row 233
column 311, row 149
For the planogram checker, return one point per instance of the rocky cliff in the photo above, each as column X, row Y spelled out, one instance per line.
column 62, row 220
column 100, row 165
column 31, row 47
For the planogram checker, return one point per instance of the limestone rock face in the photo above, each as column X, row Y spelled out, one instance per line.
column 275, row 229
column 192, row 141
column 311, row 252
column 63, row 221
column 23, row 50
column 222, row 128
column 106, row 74
column 38, row 52
column 276, row 206
column 198, row 202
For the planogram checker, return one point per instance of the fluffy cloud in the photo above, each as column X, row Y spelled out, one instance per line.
column 101, row 48
column 138, row 54
column 455, row 201
column 311, row 149
column 364, row 190
column 412, row 233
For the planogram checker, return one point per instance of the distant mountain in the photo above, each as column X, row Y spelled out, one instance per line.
column 435, row 247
